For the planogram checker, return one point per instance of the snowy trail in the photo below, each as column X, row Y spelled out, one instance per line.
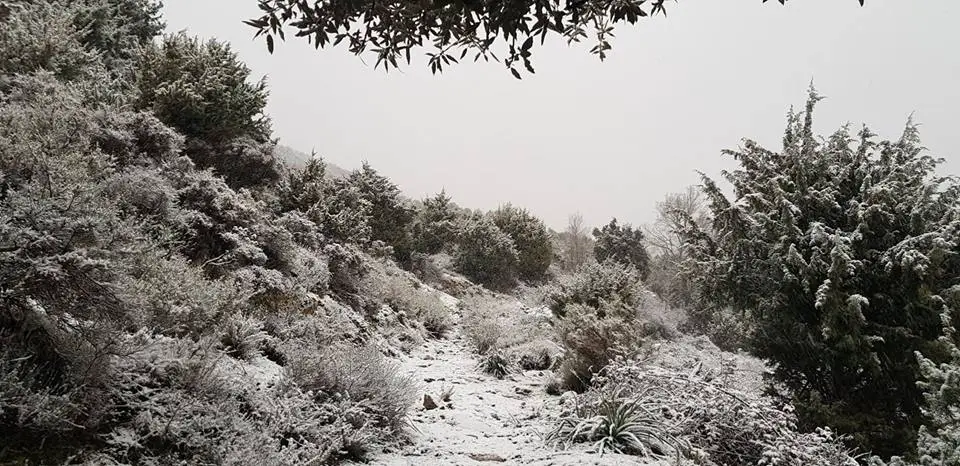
column 487, row 421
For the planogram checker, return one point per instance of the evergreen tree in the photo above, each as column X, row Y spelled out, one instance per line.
column 621, row 243
column 485, row 253
column 204, row 91
column 435, row 224
column 838, row 251
column 390, row 216
column 529, row 236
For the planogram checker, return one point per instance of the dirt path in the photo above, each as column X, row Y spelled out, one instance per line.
column 487, row 420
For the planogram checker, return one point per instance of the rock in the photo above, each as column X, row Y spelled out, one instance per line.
column 568, row 397
column 487, row 457
column 428, row 402
column 522, row 390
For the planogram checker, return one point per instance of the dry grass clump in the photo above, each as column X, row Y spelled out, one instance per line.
column 358, row 374
column 496, row 363
column 537, row 355
column 404, row 294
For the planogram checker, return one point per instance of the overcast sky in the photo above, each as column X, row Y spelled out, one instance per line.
column 610, row 139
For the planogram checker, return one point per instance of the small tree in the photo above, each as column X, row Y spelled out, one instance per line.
column 390, row 217
column 575, row 244
column 435, row 224
column 204, row 91
column 938, row 441
column 676, row 213
column 530, row 237
column 485, row 253
column 622, row 244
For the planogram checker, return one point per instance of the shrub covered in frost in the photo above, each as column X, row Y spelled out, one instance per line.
column 485, row 253
column 651, row 411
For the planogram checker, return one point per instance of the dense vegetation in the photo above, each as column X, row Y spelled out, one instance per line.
column 173, row 292
column 838, row 255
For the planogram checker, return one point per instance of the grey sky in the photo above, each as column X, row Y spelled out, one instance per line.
column 610, row 139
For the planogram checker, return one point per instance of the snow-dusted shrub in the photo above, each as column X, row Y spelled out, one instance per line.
column 609, row 285
column 485, row 253
column 497, row 363
column 685, row 414
column 613, row 421
column 539, row 354
column 483, row 332
column 242, row 336
column 361, row 375
column 591, row 339
column 41, row 36
column 938, row 441
column 530, row 238
column 203, row 90
column 135, row 138
column 29, row 407
column 390, row 216
column 623, row 244
column 347, row 268
column 171, row 297
column 404, row 294
column 434, row 225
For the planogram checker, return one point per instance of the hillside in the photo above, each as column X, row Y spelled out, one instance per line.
column 172, row 294
column 298, row 159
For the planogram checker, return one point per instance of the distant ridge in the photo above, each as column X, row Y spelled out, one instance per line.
column 298, row 159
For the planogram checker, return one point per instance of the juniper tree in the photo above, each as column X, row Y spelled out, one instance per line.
column 434, row 225
column 485, row 253
column 529, row 236
column 623, row 244
column 838, row 251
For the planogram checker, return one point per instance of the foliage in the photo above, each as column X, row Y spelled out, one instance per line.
column 390, row 31
column 938, row 442
column 41, row 36
column 530, row 238
column 674, row 413
column 623, row 244
column 574, row 245
column 390, row 217
column 129, row 277
column 204, row 91
column 616, row 423
column 337, row 207
column 592, row 338
column 676, row 214
column 405, row 295
column 609, row 284
column 434, row 226
column 496, row 363
column 536, row 355
column 242, row 337
column 359, row 374
column 117, row 29
column 839, row 251
column 485, row 253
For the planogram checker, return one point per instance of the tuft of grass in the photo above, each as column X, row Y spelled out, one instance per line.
column 496, row 363
column 242, row 337
column 619, row 424
column 359, row 374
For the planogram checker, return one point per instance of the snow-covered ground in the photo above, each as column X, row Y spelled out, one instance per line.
column 487, row 420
